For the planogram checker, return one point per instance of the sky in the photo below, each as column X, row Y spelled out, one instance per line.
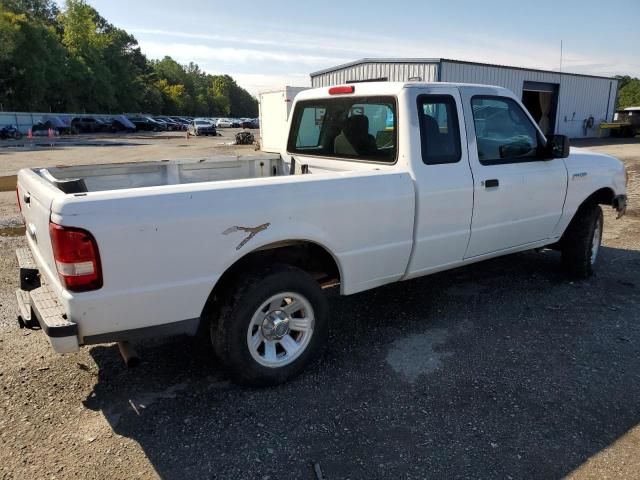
column 268, row 44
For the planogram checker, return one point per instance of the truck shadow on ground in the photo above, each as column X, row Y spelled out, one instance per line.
column 504, row 368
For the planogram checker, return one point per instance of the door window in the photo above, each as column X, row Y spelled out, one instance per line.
column 504, row 133
column 439, row 129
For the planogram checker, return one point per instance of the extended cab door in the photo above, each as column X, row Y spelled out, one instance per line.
column 444, row 185
column 518, row 196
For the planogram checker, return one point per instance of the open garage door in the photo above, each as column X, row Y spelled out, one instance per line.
column 541, row 99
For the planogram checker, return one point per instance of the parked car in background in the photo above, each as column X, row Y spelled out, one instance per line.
column 10, row 131
column 120, row 123
column 165, row 125
column 182, row 122
column 202, row 126
column 172, row 125
column 60, row 124
column 42, row 129
column 250, row 123
column 88, row 125
column 147, row 124
column 224, row 123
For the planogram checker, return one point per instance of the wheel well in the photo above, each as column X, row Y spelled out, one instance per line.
column 604, row 196
column 308, row 256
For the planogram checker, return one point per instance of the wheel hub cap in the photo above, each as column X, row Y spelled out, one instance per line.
column 275, row 325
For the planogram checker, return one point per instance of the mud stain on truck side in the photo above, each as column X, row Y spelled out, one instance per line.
column 252, row 231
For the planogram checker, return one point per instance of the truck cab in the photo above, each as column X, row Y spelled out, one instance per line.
column 487, row 181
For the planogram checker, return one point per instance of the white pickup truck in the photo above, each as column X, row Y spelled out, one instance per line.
column 378, row 183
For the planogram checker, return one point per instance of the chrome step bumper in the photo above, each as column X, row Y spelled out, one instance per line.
column 39, row 307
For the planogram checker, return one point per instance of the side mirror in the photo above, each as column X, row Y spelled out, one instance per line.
column 558, row 146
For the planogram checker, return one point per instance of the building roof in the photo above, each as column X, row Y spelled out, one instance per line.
column 446, row 60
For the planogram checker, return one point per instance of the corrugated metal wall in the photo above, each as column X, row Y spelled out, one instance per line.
column 393, row 72
column 580, row 97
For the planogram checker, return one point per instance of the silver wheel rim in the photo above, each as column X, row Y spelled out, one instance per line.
column 595, row 242
column 280, row 329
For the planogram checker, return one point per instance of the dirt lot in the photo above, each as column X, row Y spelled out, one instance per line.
column 86, row 149
column 505, row 369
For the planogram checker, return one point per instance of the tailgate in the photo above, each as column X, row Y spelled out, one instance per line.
column 36, row 197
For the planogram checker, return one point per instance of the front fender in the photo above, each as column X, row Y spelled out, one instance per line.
column 589, row 172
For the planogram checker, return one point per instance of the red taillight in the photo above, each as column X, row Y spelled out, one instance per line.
column 77, row 259
column 341, row 90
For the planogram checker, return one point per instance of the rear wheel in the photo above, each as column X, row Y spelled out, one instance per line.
column 581, row 242
column 271, row 326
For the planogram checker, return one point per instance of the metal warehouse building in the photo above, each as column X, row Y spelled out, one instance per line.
column 563, row 103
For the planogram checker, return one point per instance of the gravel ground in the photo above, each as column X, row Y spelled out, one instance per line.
column 504, row 369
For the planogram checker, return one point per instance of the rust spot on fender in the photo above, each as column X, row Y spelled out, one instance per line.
column 252, row 231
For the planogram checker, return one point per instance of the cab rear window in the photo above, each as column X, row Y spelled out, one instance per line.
column 354, row 128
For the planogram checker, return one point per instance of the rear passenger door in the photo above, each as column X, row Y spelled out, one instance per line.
column 444, row 185
column 518, row 194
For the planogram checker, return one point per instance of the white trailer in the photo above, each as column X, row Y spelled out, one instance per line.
column 275, row 106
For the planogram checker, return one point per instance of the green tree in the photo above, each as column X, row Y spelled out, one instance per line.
column 45, row 11
column 75, row 60
column 32, row 63
column 628, row 92
column 89, row 74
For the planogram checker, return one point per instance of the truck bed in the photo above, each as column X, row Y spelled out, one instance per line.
column 164, row 245
column 95, row 178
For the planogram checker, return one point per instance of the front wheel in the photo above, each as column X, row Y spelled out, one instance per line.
column 271, row 326
column 581, row 242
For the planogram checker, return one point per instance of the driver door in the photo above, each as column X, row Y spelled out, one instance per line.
column 518, row 197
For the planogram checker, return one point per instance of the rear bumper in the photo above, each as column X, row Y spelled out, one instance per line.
column 39, row 307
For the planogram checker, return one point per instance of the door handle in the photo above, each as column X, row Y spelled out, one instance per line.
column 491, row 183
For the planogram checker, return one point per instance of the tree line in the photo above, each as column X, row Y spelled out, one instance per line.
column 628, row 91
column 73, row 60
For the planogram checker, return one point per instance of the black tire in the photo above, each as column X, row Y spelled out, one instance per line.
column 230, row 322
column 577, row 242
